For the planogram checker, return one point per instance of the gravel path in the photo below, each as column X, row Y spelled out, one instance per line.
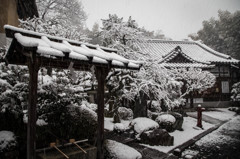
column 220, row 144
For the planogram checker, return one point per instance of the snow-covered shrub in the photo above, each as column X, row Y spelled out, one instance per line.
column 119, row 127
column 166, row 121
column 91, row 106
column 235, row 92
column 7, row 141
column 86, row 112
column 142, row 124
column 155, row 106
column 165, row 118
column 125, row 113
column 116, row 150
column 149, row 114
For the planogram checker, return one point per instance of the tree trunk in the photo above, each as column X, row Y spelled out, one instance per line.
column 140, row 109
column 26, row 9
column 191, row 99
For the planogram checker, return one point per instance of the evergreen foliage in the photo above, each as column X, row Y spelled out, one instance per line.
column 222, row 34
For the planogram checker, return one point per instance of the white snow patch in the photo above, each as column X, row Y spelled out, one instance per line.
column 143, row 124
column 119, row 127
column 99, row 60
column 166, row 118
column 7, row 139
column 218, row 137
column 133, row 65
column 42, row 50
column 56, row 45
column 117, row 63
column 220, row 114
column 89, row 112
column 29, row 41
column 41, row 122
column 120, row 151
column 75, row 55
column 109, row 125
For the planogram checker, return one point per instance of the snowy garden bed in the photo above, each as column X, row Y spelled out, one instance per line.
column 182, row 136
column 179, row 136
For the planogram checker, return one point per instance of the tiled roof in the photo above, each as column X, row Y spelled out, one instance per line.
column 177, row 51
column 54, row 47
column 160, row 49
column 196, row 65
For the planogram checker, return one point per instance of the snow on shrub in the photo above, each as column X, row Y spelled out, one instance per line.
column 236, row 92
column 116, row 150
column 149, row 114
column 155, row 106
column 87, row 112
column 7, row 141
column 165, row 118
column 142, row 124
column 119, row 127
column 125, row 113
column 91, row 106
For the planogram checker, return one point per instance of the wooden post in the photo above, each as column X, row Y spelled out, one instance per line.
column 33, row 66
column 101, row 74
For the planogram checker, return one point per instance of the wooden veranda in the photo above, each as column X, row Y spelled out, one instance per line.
column 37, row 50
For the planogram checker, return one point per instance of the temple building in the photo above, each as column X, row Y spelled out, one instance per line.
column 179, row 54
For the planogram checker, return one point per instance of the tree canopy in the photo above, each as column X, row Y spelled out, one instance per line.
column 221, row 34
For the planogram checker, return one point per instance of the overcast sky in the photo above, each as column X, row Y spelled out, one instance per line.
column 176, row 18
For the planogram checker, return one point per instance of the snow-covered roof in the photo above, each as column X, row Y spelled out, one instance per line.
column 194, row 51
column 51, row 47
column 188, row 62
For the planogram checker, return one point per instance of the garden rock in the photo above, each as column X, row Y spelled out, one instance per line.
column 166, row 121
column 157, row 137
column 142, row 124
column 116, row 150
column 125, row 113
column 119, row 128
column 179, row 121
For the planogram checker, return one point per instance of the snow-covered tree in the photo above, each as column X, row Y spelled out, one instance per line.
column 59, row 18
column 194, row 79
column 71, row 12
column 221, row 34
column 235, row 92
column 121, row 35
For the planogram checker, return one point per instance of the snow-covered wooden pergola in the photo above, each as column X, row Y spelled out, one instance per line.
column 37, row 50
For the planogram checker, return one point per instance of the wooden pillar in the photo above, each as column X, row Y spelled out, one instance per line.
column 33, row 66
column 101, row 74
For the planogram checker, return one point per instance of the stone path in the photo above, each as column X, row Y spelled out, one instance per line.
column 205, row 118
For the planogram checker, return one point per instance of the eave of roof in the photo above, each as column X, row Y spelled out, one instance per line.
column 59, row 52
column 177, row 51
column 11, row 30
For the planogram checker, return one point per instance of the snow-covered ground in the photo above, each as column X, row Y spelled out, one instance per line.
column 182, row 136
column 219, row 136
column 179, row 136
column 220, row 114
column 189, row 127
column 108, row 123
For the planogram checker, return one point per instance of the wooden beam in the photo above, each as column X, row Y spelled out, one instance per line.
column 101, row 74
column 33, row 66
